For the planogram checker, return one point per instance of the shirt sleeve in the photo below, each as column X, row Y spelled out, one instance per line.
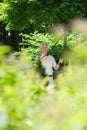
column 53, row 62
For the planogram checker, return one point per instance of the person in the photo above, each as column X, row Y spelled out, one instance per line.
column 49, row 63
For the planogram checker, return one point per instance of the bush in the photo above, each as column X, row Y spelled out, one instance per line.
column 32, row 44
column 20, row 91
column 57, row 47
column 26, row 103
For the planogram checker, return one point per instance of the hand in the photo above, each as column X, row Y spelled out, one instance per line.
column 61, row 61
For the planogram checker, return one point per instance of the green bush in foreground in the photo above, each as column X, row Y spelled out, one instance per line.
column 20, row 90
column 26, row 103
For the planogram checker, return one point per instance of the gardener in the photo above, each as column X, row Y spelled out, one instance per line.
column 49, row 63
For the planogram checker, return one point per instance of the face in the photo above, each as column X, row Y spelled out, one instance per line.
column 44, row 49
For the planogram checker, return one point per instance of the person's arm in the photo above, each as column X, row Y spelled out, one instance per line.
column 59, row 64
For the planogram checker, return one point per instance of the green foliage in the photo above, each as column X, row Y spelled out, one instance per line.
column 13, row 12
column 4, row 51
column 26, row 103
column 71, row 9
column 80, row 55
column 20, row 14
column 19, row 91
column 32, row 44
column 77, row 42
column 72, row 97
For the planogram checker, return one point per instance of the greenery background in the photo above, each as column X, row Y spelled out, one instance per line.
column 26, row 101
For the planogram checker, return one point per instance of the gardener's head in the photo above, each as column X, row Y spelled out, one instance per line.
column 44, row 48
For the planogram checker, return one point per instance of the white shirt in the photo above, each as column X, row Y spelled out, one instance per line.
column 48, row 64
